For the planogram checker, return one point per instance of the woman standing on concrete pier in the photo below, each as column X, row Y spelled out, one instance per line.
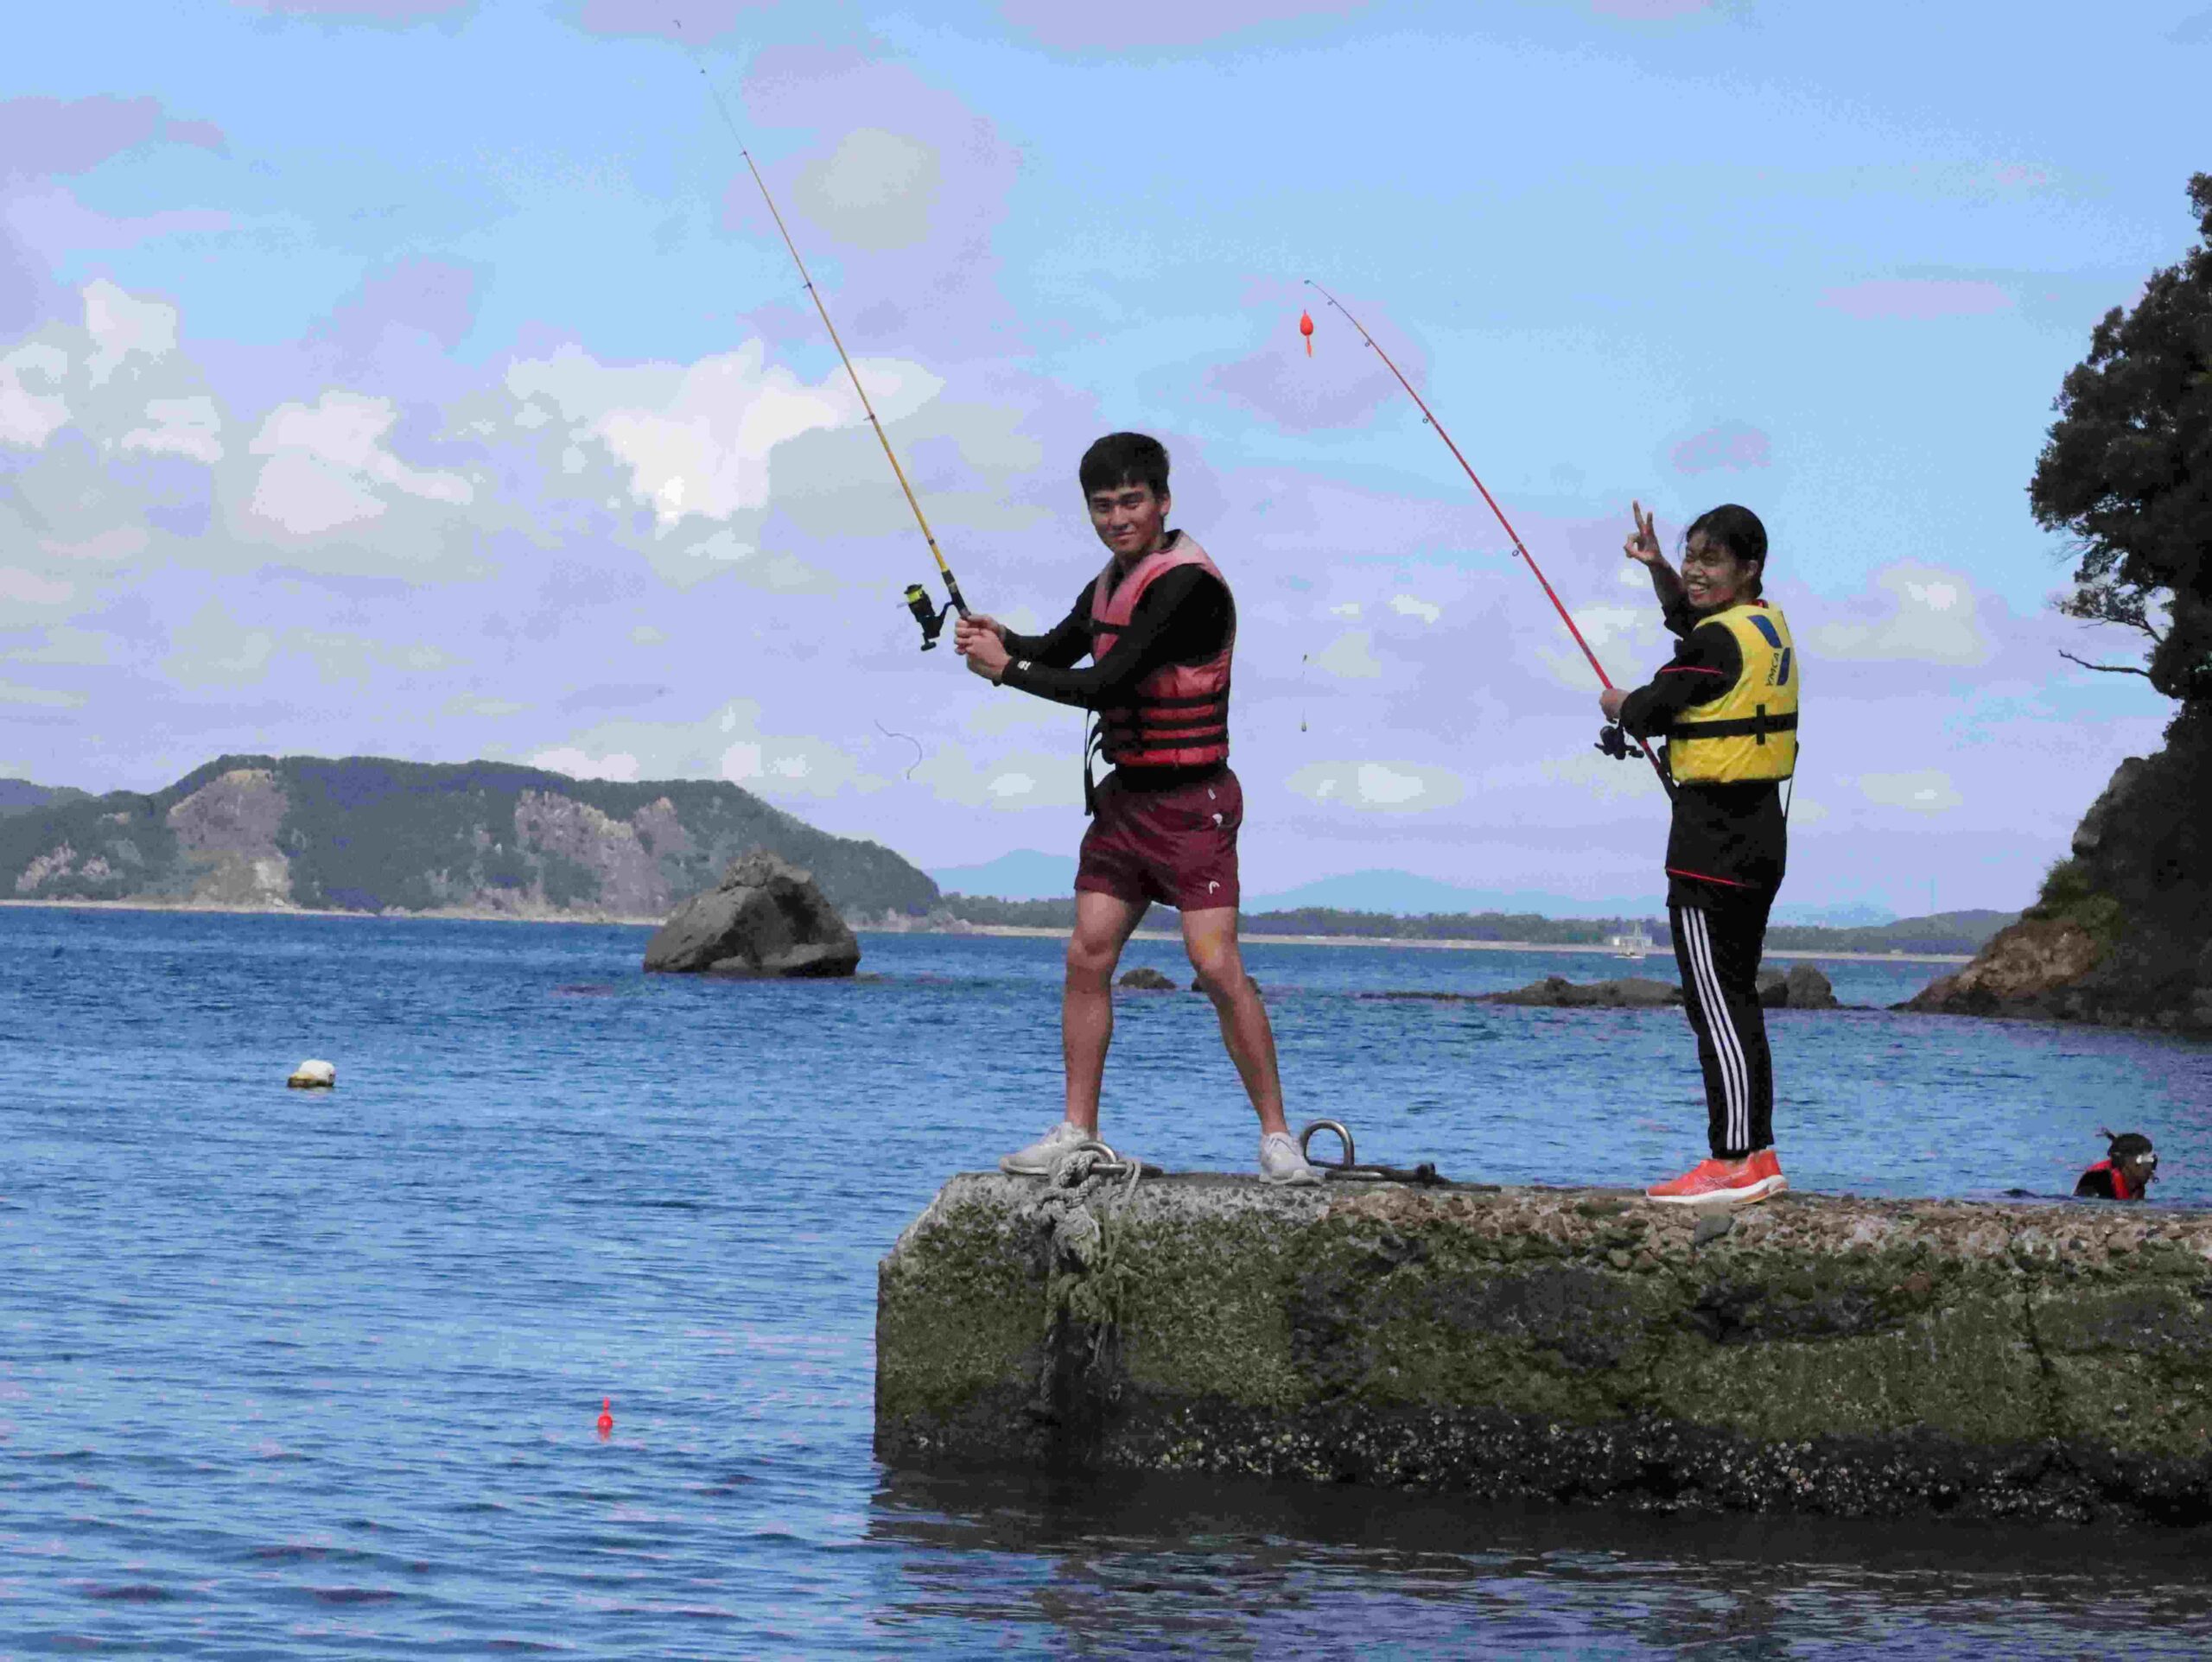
column 1726, row 704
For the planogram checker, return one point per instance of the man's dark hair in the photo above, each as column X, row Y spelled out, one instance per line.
column 1120, row 458
column 1736, row 528
column 2127, row 1146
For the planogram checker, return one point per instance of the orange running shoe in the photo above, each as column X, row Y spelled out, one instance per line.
column 1716, row 1182
column 1768, row 1164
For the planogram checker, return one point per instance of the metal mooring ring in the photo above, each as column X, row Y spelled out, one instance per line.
column 1344, row 1136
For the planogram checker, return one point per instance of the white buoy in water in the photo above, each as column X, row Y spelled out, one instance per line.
column 313, row 1075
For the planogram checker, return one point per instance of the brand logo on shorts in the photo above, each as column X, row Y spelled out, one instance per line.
column 1210, row 887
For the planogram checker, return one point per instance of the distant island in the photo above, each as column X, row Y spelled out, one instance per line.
column 373, row 835
column 1961, row 932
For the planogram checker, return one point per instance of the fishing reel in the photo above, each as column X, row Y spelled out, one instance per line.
column 1612, row 739
column 930, row 618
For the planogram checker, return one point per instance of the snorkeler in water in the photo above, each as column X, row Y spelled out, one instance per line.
column 2129, row 1168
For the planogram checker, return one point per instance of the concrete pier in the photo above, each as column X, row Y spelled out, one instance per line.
column 1854, row 1357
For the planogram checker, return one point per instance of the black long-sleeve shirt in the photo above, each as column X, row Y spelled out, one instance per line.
column 1735, row 836
column 1183, row 617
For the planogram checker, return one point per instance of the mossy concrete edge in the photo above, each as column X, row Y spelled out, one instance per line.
column 1859, row 1357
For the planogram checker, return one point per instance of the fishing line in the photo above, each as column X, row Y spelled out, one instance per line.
column 930, row 618
column 921, row 754
column 1428, row 417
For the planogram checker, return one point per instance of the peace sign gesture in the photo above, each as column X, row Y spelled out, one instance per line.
column 1642, row 544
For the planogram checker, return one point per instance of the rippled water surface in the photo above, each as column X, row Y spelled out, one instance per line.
column 288, row 1373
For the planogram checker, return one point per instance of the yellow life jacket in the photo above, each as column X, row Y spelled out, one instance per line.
column 1750, row 732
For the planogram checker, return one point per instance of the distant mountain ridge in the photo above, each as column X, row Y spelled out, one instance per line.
column 366, row 834
column 1030, row 874
column 1947, row 932
column 21, row 795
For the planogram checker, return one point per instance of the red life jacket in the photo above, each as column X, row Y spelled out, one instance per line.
column 1181, row 717
column 2120, row 1191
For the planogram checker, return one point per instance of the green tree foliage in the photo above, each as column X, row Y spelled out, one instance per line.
column 2127, row 471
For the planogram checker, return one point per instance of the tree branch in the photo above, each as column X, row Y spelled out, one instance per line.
column 2106, row 669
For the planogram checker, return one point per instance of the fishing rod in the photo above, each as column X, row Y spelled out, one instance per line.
column 930, row 618
column 1614, row 739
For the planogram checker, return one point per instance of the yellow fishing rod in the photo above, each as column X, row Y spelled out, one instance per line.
column 918, row 601
column 932, row 619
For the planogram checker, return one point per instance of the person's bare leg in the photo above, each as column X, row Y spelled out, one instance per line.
column 1103, row 924
column 1211, row 938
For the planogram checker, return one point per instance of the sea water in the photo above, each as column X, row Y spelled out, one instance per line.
column 286, row 1373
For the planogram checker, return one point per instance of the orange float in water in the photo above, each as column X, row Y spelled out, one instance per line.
column 606, row 1416
column 1306, row 328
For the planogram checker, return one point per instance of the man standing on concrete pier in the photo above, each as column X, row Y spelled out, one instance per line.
column 1726, row 704
column 1159, row 627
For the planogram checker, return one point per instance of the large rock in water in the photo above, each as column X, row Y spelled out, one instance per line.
column 1807, row 988
column 765, row 918
column 1629, row 992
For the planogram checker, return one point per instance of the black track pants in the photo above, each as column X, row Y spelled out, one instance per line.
column 1717, row 944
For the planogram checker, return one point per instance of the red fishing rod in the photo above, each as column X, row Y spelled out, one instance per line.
column 1519, row 547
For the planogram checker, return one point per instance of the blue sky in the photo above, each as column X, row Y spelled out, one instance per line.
column 426, row 378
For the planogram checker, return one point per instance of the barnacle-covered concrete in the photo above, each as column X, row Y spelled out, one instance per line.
column 1824, row 1353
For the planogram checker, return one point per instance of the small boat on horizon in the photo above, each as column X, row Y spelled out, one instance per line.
column 1633, row 944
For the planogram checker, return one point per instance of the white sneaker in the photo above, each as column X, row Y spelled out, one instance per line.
column 1036, row 1160
column 1281, row 1163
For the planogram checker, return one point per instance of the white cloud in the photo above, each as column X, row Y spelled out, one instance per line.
column 30, row 414
column 1350, row 657
column 180, row 427
column 1378, row 787
column 113, row 546
column 20, row 588
column 327, row 460
column 1602, row 777
column 14, row 693
column 1348, row 609
column 618, row 766
column 695, row 439
column 1932, row 619
column 1017, row 781
column 213, row 650
column 875, row 191
column 123, row 326
column 65, row 643
column 1924, row 790
column 1408, row 605
column 786, row 763
column 474, row 704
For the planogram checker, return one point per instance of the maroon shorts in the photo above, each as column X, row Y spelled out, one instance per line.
column 1178, row 846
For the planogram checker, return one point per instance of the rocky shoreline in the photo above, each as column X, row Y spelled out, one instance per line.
column 2121, row 935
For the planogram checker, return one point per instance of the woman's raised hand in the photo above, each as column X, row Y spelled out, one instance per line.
column 1642, row 543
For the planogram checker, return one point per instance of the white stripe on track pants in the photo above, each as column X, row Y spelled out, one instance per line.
column 1717, row 945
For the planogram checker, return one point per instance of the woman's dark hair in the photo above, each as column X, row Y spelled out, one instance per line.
column 1736, row 528
column 1122, row 458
